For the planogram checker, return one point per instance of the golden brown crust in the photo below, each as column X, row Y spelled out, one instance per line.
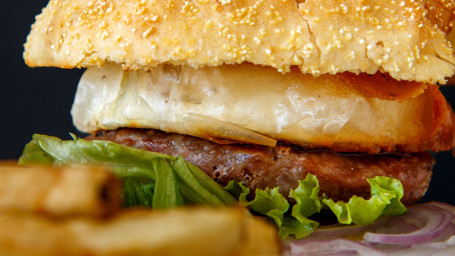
column 381, row 86
column 439, row 135
column 404, row 38
column 182, row 231
column 59, row 192
column 451, row 38
column 436, row 12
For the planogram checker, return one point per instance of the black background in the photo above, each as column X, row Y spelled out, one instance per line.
column 38, row 100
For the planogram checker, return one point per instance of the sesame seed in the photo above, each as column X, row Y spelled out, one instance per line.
column 224, row 2
column 308, row 47
column 104, row 35
column 344, row 8
column 351, row 55
column 296, row 60
column 147, row 32
column 329, row 46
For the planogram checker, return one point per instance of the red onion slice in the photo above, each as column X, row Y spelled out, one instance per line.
column 447, row 207
column 447, row 238
column 427, row 229
column 332, row 247
column 436, row 221
column 340, row 231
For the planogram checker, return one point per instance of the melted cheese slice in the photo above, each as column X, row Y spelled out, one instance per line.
column 252, row 104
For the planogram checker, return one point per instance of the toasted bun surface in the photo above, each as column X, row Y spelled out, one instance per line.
column 451, row 38
column 244, row 102
column 404, row 38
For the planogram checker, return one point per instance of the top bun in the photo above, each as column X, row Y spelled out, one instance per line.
column 451, row 38
column 405, row 38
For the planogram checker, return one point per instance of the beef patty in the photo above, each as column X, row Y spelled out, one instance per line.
column 340, row 175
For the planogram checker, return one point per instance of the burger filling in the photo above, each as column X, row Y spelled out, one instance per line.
column 340, row 176
column 288, row 146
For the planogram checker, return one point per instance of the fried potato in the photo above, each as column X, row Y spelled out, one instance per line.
column 184, row 231
column 65, row 191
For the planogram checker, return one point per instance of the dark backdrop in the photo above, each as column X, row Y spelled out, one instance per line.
column 38, row 100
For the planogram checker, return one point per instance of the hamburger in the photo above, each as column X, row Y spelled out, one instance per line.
column 264, row 93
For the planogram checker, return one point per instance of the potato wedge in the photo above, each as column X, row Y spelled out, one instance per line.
column 64, row 191
column 184, row 231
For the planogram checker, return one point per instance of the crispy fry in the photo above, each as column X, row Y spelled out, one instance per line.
column 66, row 191
column 71, row 198
column 196, row 231
column 259, row 239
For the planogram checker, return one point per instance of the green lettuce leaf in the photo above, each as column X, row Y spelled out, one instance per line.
column 239, row 191
column 137, row 193
column 385, row 198
column 271, row 203
column 297, row 228
column 308, row 202
column 174, row 180
column 166, row 192
column 307, row 198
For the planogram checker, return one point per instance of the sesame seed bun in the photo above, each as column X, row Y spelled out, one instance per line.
column 403, row 38
column 451, row 38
